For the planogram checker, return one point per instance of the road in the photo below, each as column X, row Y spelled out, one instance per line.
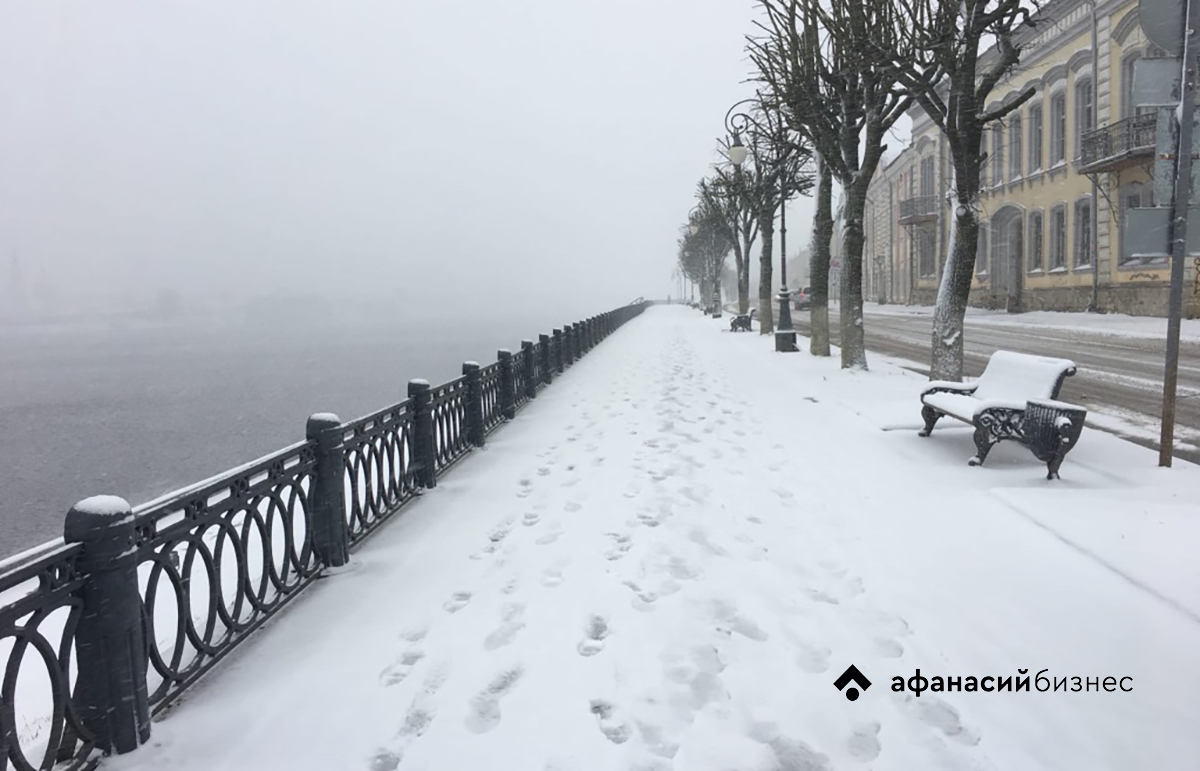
column 1117, row 375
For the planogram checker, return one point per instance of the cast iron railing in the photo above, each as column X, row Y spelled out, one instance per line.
column 101, row 632
column 922, row 206
column 1118, row 142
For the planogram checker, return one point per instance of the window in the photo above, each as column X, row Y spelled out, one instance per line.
column 1085, row 112
column 1035, row 138
column 1083, row 233
column 1014, row 146
column 927, row 252
column 1058, row 237
column 1058, row 128
column 927, row 177
column 1036, row 235
column 981, row 250
column 1136, row 196
column 1127, row 109
column 997, row 154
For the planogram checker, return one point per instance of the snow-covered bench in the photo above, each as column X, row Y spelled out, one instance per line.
column 995, row 403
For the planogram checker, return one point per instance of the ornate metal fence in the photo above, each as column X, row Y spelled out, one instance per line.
column 101, row 632
column 216, row 561
column 40, row 612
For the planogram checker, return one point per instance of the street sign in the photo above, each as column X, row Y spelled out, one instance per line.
column 1162, row 23
column 1145, row 233
column 1156, row 82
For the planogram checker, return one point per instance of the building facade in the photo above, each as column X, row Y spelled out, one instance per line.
column 1059, row 175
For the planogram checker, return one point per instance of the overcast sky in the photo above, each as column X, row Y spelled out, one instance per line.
column 507, row 151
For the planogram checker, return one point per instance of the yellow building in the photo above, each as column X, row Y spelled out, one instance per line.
column 1048, row 241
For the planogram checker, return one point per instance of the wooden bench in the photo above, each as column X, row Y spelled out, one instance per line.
column 996, row 403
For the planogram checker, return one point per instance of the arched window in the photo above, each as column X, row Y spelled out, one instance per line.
column 1085, row 111
column 1083, row 233
column 1058, row 128
column 1058, row 237
column 1037, row 240
column 1035, row 137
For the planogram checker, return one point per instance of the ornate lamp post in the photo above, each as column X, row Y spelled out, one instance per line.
column 736, row 123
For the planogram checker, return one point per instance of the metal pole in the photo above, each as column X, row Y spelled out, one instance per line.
column 783, row 237
column 1094, row 305
column 1183, row 187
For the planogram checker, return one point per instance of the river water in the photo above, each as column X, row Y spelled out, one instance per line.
column 141, row 409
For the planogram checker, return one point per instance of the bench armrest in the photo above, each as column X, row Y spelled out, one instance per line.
column 948, row 386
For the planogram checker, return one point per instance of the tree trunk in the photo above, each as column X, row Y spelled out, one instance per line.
column 744, row 272
column 953, row 292
column 854, row 352
column 818, row 264
column 766, row 317
column 738, row 263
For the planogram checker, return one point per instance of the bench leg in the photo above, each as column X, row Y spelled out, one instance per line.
column 931, row 417
column 984, row 439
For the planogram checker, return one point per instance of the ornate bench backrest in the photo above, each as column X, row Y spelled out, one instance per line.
column 1019, row 376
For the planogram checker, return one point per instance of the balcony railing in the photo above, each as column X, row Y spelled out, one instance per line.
column 923, row 207
column 1120, row 144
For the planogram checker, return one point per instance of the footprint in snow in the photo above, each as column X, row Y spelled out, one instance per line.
column 572, row 506
column 512, row 620
column 385, row 760
column 423, row 709
column 593, row 641
column 813, row 659
column 485, row 707
column 728, row 619
column 612, row 726
column 400, row 668
column 531, row 518
column 938, row 714
column 543, row 471
column 888, row 649
column 621, row 546
column 552, row 578
column 548, row 538
column 457, row 602
column 863, row 743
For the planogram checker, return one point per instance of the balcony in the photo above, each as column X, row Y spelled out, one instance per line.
column 923, row 208
column 1118, row 146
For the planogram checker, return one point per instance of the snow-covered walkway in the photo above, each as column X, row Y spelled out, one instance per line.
column 666, row 560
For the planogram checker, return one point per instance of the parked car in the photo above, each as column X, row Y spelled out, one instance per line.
column 802, row 298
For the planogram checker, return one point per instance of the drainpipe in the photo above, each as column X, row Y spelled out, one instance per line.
column 1094, row 305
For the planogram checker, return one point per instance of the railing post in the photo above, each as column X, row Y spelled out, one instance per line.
column 558, row 351
column 475, row 427
column 330, row 537
column 423, row 438
column 530, row 369
column 508, row 385
column 110, row 643
column 544, row 357
column 569, row 335
column 577, row 339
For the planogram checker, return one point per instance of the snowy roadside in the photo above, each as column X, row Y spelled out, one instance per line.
column 666, row 560
column 1110, row 324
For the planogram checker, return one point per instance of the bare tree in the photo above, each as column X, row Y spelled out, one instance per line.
column 952, row 82
column 724, row 195
column 831, row 66
column 703, row 249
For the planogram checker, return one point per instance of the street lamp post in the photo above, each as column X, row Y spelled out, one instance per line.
column 785, row 333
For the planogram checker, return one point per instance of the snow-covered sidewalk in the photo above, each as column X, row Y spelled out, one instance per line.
column 666, row 560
